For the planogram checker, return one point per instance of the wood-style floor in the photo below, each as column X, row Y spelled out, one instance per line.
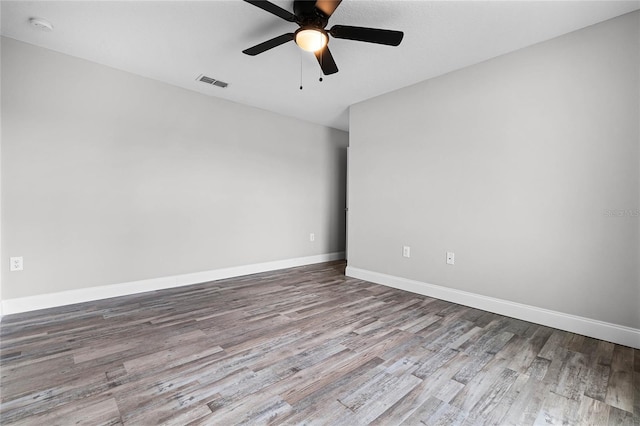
column 304, row 346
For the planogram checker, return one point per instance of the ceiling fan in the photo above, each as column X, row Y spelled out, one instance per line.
column 312, row 17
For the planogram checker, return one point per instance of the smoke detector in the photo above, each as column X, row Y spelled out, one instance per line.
column 41, row 24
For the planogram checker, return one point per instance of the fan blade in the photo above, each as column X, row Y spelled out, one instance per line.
column 269, row 44
column 369, row 35
column 325, row 59
column 273, row 9
column 327, row 6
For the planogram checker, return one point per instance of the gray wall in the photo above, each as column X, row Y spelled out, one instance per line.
column 108, row 177
column 526, row 166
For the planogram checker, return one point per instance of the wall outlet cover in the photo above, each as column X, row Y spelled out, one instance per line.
column 450, row 258
column 16, row 264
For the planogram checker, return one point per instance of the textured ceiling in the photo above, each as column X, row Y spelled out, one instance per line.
column 175, row 42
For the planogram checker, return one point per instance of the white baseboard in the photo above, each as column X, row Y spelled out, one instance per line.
column 588, row 327
column 51, row 300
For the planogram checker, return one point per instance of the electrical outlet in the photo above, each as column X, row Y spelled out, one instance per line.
column 312, row 237
column 450, row 258
column 406, row 251
column 15, row 264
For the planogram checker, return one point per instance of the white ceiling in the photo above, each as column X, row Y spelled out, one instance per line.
column 176, row 41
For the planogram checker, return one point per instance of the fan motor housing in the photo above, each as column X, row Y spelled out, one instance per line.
column 308, row 15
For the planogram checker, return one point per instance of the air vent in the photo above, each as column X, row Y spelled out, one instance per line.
column 203, row 78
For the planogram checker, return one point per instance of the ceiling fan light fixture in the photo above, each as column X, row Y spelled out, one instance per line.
column 312, row 17
column 311, row 39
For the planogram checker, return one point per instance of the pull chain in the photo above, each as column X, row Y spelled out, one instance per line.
column 300, row 70
column 321, row 61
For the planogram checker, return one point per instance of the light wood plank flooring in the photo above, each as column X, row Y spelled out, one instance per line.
column 304, row 346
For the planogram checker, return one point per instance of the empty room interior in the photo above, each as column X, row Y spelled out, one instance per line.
column 320, row 212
